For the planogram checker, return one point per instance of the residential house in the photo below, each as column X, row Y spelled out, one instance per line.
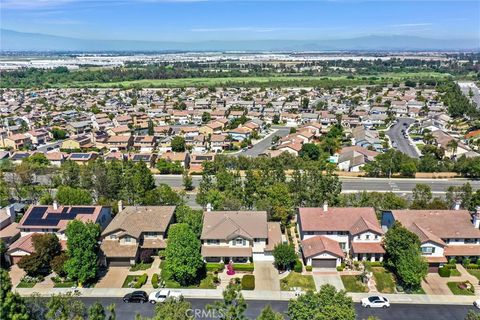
column 328, row 235
column 134, row 232
column 443, row 234
column 239, row 236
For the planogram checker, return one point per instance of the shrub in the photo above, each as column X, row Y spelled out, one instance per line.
column 141, row 281
column 308, row 268
column 298, row 266
column 155, row 280
column 452, row 261
column 214, row 267
column 246, row 267
column 444, row 272
column 248, row 282
column 478, row 262
column 341, row 267
column 146, row 256
column 375, row 263
column 466, row 261
column 57, row 264
column 472, row 266
column 450, row 266
column 161, row 254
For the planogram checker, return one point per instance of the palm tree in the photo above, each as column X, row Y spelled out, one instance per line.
column 452, row 145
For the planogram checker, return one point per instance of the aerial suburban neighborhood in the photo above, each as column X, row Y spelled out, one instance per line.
column 208, row 168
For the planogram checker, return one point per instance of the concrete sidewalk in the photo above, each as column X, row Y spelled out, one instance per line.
column 254, row 295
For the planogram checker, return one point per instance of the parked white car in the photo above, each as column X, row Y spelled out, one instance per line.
column 476, row 303
column 162, row 295
column 375, row 302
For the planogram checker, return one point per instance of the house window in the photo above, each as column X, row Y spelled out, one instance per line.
column 329, row 232
column 428, row 250
column 470, row 240
column 213, row 241
column 376, row 237
column 239, row 241
column 128, row 239
column 367, row 237
column 358, row 237
column 113, row 236
column 343, row 245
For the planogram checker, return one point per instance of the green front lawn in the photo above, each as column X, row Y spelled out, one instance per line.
column 474, row 272
column 297, row 280
column 458, row 291
column 66, row 284
column 384, row 280
column 24, row 284
column 455, row 273
column 353, row 284
column 207, row 282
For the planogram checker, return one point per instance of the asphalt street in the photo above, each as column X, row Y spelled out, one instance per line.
column 395, row 312
column 265, row 143
column 466, row 86
column 398, row 140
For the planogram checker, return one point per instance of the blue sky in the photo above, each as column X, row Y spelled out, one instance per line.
column 197, row 20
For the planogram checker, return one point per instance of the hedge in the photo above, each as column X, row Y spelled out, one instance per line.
column 247, row 267
column 212, row 267
column 155, row 280
column 248, row 282
column 141, row 281
column 450, row 266
column 444, row 272
column 308, row 268
column 374, row 263
column 472, row 266
column 298, row 266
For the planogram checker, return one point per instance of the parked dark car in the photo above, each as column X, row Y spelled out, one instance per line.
column 136, row 296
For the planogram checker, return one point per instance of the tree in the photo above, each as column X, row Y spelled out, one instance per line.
column 187, row 181
column 422, row 195
column 206, row 117
column 96, row 311
column 472, row 315
column 59, row 134
column 65, row 307
column 194, row 218
column 172, row 309
column 233, row 305
column 284, row 255
column 182, row 255
column 178, row 144
column 310, row 151
column 72, row 196
column 82, row 250
column 162, row 195
column 70, row 174
column 12, row 306
column 268, row 314
column 403, row 255
column 326, row 304
column 47, row 246
column 452, row 145
column 58, row 264
column 151, row 130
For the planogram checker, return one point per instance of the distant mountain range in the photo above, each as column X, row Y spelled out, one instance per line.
column 21, row 41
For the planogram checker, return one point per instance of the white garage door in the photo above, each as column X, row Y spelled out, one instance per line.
column 263, row 257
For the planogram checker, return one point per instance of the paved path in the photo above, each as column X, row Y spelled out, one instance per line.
column 436, row 285
column 266, row 276
column 332, row 278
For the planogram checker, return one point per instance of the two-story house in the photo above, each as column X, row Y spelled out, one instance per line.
column 133, row 230
column 443, row 234
column 53, row 219
column 238, row 236
column 328, row 235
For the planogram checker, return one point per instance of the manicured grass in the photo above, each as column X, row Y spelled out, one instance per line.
column 455, row 273
column 128, row 279
column 259, row 81
column 141, row 266
column 474, row 272
column 66, row 284
column 205, row 283
column 353, row 284
column 297, row 280
column 23, row 284
column 384, row 280
column 457, row 291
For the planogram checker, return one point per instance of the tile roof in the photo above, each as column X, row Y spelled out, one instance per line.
column 316, row 245
column 231, row 224
column 134, row 220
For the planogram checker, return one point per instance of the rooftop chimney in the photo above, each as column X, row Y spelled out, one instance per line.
column 209, row 207
column 325, row 206
column 476, row 218
column 120, row 205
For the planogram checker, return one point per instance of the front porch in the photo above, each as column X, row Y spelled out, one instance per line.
column 367, row 251
column 226, row 254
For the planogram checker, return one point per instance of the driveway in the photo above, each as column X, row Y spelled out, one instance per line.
column 266, row 276
column 114, row 277
column 332, row 278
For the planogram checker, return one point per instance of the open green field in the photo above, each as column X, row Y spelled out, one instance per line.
column 263, row 81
